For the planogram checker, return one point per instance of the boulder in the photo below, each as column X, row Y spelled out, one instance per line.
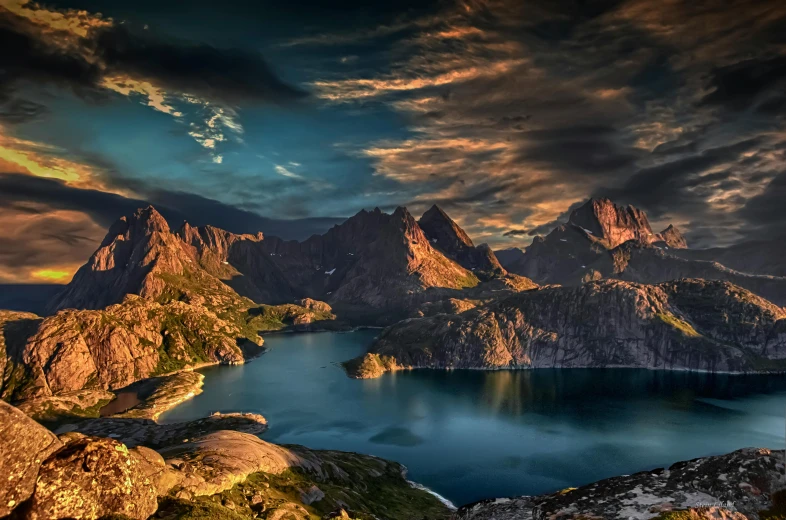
column 24, row 444
column 93, row 477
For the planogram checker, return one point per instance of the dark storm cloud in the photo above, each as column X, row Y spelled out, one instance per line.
column 516, row 233
column 228, row 75
column 24, row 58
column 104, row 208
column 675, row 185
column 747, row 83
column 35, row 54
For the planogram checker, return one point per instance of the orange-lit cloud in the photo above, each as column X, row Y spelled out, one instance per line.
column 38, row 244
column 43, row 160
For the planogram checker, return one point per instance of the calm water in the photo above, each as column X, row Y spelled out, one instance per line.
column 472, row 434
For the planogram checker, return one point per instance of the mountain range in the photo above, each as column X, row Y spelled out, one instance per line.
column 601, row 290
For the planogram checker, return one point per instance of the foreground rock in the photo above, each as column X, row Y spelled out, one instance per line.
column 686, row 324
column 92, row 477
column 209, row 472
column 146, row 432
column 24, row 444
column 741, row 485
column 233, row 475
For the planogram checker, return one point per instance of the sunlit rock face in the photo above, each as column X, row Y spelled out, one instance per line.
column 446, row 236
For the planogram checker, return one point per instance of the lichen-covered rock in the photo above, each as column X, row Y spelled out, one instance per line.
column 736, row 486
column 152, row 465
column 305, row 485
column 91, row 478
column 686, row 324
column 24, row 445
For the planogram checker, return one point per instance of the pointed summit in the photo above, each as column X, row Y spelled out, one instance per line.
column 438, row 225
column 149, row 219
column 673, row 237
column 448, row 237
column 136, row 248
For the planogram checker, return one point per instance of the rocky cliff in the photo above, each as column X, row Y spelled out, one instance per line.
column 685, row 324
column 642, row 263
column 113, row 347
column 744, row 485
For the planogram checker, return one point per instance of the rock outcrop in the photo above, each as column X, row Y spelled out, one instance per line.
column 673, row 238
column 209, row 472
column 611, row 225
column 685, row 324
column 642, row 263
column 446, row 236
column 113, row 347
column 739, row 486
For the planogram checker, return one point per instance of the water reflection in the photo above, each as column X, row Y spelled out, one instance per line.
column 475, row 434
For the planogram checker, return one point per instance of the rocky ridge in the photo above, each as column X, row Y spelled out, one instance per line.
column 373, row 262
column 603, row 240
column 113, row 347
column 683, row 325
column 446, row 236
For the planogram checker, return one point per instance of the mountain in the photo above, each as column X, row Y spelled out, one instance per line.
column 604, row 240
column 140, row 255
column 372, row 266
column 446, row 236
column 686, row 324
column 592, row 229
column 610, row 225
column 375, row 260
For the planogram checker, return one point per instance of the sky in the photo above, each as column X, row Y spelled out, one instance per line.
column 287, row 117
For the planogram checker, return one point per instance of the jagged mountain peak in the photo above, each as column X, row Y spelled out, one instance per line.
column 438, row 225
column 673, row 237
column 611, row 224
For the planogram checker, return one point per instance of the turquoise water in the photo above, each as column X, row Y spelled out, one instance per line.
column 473, row 434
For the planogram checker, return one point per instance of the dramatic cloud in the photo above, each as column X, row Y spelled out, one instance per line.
column 523, row 110
column 508, row 114
column 94, row 56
